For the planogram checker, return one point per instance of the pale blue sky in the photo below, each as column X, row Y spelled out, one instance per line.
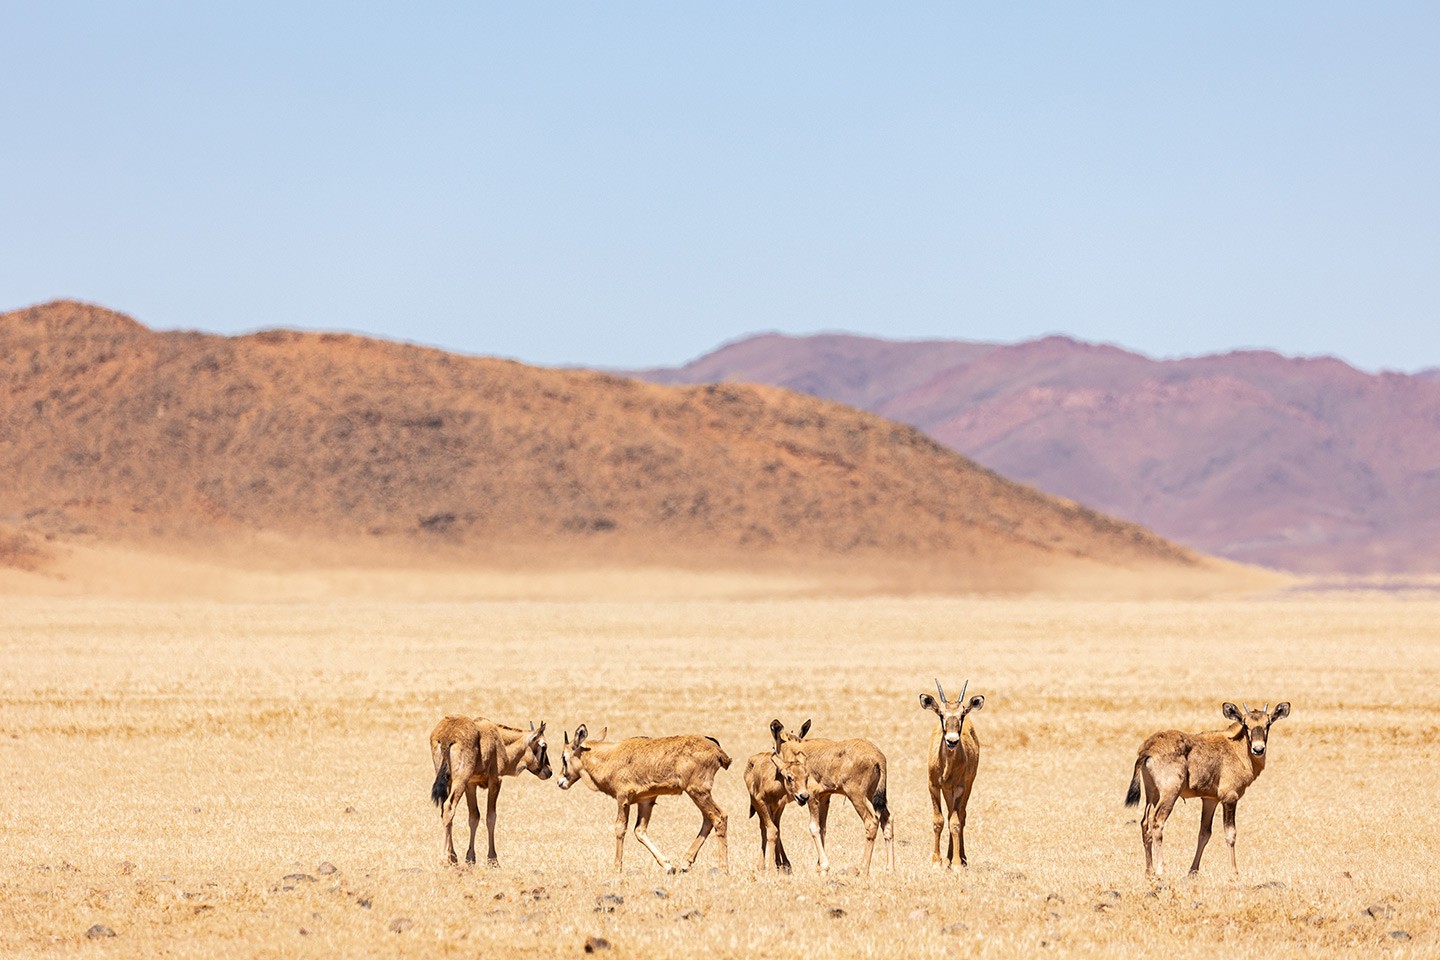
column 628, row 184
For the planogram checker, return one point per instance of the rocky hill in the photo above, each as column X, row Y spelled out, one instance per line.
column 116, row 433
column 1300, row 464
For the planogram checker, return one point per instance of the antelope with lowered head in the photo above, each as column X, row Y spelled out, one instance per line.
column 954, row 759
column 637, row 770
column 1217, row 767
column 767, row 801
column 815, row 770
column 479, row 753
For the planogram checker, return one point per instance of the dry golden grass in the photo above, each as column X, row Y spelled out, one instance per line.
column 164, row 765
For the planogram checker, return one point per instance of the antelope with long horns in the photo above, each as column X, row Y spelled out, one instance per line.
column 480, row 753
column 816, row 770
column 1218, row 767
column 637, row 770
column 954, row 759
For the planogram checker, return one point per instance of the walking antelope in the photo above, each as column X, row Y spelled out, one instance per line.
column 818, row 769
column 479, row 753
column 954, row 759
column 1217, row 767
column 637, row 770
column 767, row 801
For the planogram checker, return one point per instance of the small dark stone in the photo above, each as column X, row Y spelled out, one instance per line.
column 349, row 809
column 837, row 912
column 298, row 878
column 608, row 903
column 1270, row 885
column 99, row 931
column 1377, row 910
column 660, row 892
column 1055, row 897
column 1398, row 935
column 326, row 868
column 1111, row 895
column 538, row 893
column 691, row 915
column 596, row 944
column 364, row 902
column 400, row 924
column 955, row 928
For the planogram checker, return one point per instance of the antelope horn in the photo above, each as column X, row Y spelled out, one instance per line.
column 1246, row 706
column 962, row 691
column 532, row 726
column 940, row 689
column 1266, row 708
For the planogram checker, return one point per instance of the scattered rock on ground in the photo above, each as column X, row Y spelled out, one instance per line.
column 99, row 931
column 691, row 915
column 837, row 912
column 1398, row 935
column 1378, row 910
column 327, row 868
column 596, row 944
column 400, row 924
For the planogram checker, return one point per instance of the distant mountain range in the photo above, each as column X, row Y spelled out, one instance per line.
column 115, row 433
column 1306, row 465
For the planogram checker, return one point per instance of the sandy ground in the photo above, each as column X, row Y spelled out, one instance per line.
column 166, row 766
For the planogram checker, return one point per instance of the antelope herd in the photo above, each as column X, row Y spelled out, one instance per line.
column 1216, row 766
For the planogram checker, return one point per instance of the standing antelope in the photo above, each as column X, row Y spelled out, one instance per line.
column 818, row 769
column 1217, row 767
column 478, row 753
column 954, row 759
column 767, row 800
column 639, row 769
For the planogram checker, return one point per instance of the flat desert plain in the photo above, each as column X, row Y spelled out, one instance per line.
column 186, row 774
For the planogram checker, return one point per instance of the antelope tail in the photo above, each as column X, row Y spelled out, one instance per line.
column 878, row 800
column 1133, row 796
column 724, row 757
column 440, row 792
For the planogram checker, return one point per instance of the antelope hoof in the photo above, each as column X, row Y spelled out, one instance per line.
column 492, row 861
column 956, row 867
column 469, row 858
column 670, row 868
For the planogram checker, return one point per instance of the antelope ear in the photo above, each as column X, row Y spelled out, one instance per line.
column 580, row 734
column 927, row 702
column 804, row 729
column 1281, row 711
column 567, row 737
column 1232, row 712
column 976, row 703
column 776, row 729
column 542, row 727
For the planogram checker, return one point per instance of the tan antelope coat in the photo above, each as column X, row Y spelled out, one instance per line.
column 767, row 801
column 1217, row 767
column 953, row 763
column 479, row 753
column 638, row 770
column 818, row 769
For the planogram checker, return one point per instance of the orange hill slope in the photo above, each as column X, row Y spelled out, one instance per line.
column 114, row 433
